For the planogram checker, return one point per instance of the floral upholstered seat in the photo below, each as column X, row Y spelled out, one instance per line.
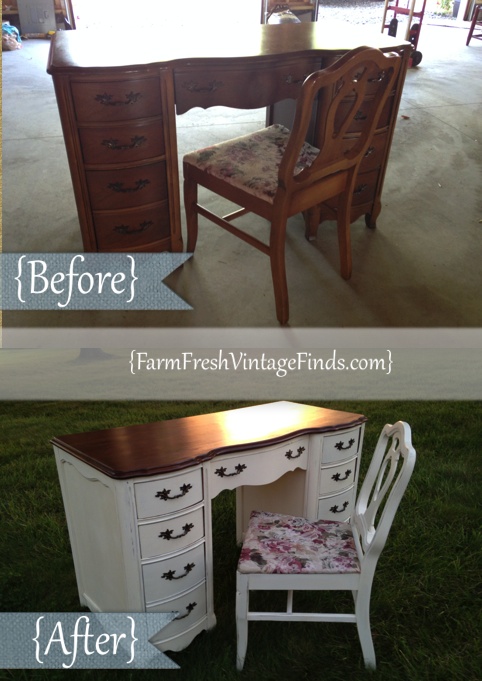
column 283, row 544
column 251, row 162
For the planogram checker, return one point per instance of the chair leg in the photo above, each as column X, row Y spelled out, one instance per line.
column 475, row 18
column 362, row 612
column 278, row 270
column 190, row 202
column 242, row 604
column 312, row 222
column 344, row 238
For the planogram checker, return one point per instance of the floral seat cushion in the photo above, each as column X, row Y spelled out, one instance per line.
column 283, row 544
column 251, row 162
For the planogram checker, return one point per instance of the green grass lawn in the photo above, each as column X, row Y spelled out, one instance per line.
column 426, row 603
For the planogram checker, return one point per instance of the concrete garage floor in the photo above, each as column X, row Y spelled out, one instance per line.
column 421, row 267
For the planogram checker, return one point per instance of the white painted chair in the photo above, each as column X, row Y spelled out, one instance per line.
column 288, row 553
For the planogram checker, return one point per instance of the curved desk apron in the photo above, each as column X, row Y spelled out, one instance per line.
column 138, row 499
column 118, row 112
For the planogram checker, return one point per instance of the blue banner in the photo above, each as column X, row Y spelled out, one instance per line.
column 89, row 281
column 67, row 640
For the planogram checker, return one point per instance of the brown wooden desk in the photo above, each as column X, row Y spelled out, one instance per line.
column 118, row 111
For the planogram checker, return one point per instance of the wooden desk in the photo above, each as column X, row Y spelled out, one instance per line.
column 118, row 111
column 138, row 499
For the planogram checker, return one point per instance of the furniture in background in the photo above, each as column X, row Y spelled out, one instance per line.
column 476, row 21
column 138, row 499
column 276, row 174
column 304, row 11
column 37, row 17
column 289, row 553
column 118, row 112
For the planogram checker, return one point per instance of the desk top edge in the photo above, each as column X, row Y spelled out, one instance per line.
column 175, row 444
column 74, row 50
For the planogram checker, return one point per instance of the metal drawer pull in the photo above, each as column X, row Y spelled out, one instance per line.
column 337, row 477
column 340, row 445
column 192, row 86
column 360, row 116
column 125, row 229
column 108, row 100
column 165, row 494
column 369, row 151
column 289, row 454
column 168, row 534
column 239, row 468
column 335, row 509
column 378, row 79
column 170, row 575
column 292, row 80
column 360, row 189
column 120, row 189
column 189, row 609
column 114, row 144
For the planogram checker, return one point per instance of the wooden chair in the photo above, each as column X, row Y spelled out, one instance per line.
column 275, row 173
column 288, row 553
column 476, row 21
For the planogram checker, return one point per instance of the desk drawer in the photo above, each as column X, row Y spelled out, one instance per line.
column 260, row 86
column 134, row 228
column 374, row 155
column 128, row 187
column 364, row 111
column 116, row 100
column 338, row 477
column 191, row 606
column 341, row 446
column 337, row 506
column 122, row 144
column 166, row 578
column 257, row 467
column 365, row 187
column 172, row 534
column 168, row 494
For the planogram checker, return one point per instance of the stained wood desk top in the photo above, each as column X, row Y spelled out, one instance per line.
column 89, row 49
column 166, row 446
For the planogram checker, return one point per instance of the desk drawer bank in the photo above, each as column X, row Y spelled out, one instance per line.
column 138, row 499
column 118, row 114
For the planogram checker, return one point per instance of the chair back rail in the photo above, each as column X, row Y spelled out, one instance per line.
column 383, row 488
column 362, row 76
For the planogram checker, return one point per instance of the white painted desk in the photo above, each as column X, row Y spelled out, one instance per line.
column 138, row 499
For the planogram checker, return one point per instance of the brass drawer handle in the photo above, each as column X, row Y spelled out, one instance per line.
column 114, row 144
column 369, row 151
column 335, row 509
column 120, row 189
column 165, row 494
column 171, row 574
column 108, row 100
column 337, row 477
column 169, row 534
column 289, row 454
column 125, row 229
column 360, row 189
column 239, row 468
column 341, row 445
column 189, row 609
